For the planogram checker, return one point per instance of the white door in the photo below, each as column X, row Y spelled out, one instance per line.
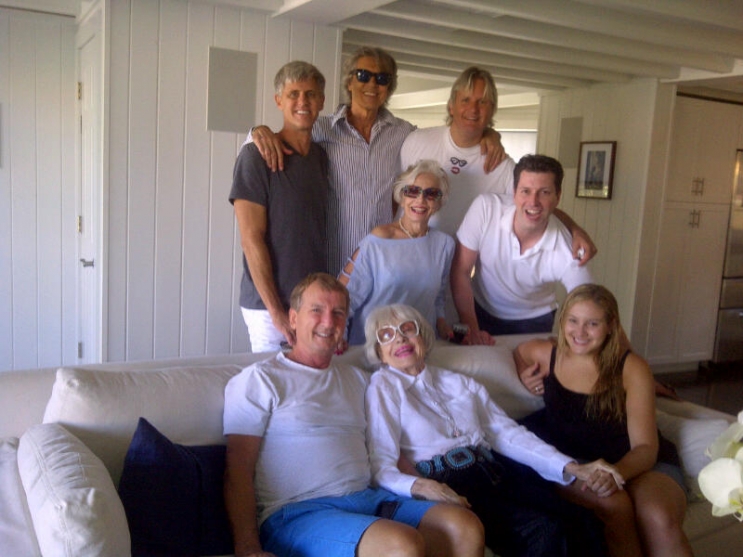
column 89, row 199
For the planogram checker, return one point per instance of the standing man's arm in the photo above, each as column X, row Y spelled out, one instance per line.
column 583, row 247
column 464, row 299
column 252, row 221
column 239, row 494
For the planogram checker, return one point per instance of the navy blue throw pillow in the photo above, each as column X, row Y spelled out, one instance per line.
column 172, row 495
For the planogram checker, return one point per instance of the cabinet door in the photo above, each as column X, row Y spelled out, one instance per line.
column 703, row 148
column 686, row 288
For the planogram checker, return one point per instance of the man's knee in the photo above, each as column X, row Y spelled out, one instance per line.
column 394, row 539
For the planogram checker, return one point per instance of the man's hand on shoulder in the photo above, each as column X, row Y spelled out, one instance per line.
column 270, row 147
column 492, row 148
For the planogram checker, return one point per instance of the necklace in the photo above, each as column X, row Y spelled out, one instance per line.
column 408, row 233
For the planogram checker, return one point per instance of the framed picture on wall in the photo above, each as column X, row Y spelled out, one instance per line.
column 596, row 169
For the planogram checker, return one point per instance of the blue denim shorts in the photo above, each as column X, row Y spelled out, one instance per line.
column 333, row 526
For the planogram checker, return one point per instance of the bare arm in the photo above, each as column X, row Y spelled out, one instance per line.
column 252, row 222
column 533, row 363
column 239, row 494
column 270, row 147
column 583, row 247
column 464, row 300
column 641, row 426
column 492, row 148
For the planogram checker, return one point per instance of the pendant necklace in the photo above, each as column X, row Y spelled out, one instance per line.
column 408, row 233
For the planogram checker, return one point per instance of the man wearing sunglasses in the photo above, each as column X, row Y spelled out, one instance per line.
column 363, row 141
column 456, row 147
column 282, row 215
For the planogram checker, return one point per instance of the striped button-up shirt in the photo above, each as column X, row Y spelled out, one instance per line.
column 361, row 178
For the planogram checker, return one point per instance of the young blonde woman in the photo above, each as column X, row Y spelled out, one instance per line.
column 600, row 403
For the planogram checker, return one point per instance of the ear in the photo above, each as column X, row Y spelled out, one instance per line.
column 293, row 319
column 277, row 99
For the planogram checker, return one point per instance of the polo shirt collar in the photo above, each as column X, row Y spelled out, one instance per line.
column 548, row 241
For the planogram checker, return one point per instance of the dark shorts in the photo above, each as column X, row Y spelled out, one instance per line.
column 497, row 326
column 333, row 526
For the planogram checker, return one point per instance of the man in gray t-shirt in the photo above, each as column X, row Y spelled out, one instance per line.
column 282, row 215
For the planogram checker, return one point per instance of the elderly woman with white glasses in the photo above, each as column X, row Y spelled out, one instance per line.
column 436, row 434
column 404, row 261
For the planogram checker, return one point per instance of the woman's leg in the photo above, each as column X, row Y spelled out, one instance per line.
column 660, row 506
column 616, row 512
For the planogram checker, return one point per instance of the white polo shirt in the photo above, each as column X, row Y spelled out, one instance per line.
column 507, row 283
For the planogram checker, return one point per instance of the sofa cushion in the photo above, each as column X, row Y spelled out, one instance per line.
column 102, row 408
column 691, row 437
column 73, row 503
column 494, row 367
column 173, row 496
column 17, row 535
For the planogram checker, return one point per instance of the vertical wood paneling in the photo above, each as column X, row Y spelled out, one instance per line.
column 221, row 225
column 49, row 194
column 118, row 179
column 142, row 168
column 23, row 197
column 6, row 215
column 169, row 188
column 277, row 53
column 196, row 181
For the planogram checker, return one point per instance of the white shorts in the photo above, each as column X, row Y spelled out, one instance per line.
column 264, row 337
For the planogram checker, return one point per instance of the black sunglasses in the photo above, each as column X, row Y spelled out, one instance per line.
column 364, row 76
column 429, row 194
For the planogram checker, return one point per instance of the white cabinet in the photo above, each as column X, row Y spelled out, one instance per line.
column 686, row 291
column 702, row 155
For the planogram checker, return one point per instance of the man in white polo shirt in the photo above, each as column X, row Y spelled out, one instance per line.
column 521, row 252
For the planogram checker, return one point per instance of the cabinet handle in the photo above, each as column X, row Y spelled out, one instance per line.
column 697, row 186
column 694, row 217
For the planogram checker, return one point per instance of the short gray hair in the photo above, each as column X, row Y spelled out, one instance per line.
column 297, row 71
column 384, row 60
column 388, row 315
column 423, row 166
column 466, row 82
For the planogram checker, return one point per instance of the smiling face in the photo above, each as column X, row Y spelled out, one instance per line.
column 319, row 324
column 408, row 354
column 420, row 209
column 535, row 199
column 370, row 95
column 471, row 114
column 301, row 103
column 585, row 327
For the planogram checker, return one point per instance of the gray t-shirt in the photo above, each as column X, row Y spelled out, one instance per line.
column 296, row 201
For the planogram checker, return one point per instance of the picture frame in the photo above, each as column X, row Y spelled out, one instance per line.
column 596, row 169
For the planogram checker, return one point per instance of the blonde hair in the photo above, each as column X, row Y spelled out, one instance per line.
column 608, row 399
column 466, row 82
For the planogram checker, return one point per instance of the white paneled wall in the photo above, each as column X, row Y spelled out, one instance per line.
column 37, row 190
column 173, row 250
column 631, row 115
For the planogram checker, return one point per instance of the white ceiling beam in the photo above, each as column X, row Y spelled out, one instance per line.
column 440, row 96
column 574, row 15
column 722, row 13
column 326, row 12
column 553, row 35
column 477, row 41
column 475, row 57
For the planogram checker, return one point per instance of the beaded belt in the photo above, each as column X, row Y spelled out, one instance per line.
column 457, row 459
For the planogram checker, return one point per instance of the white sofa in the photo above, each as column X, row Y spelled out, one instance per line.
column 57, row 484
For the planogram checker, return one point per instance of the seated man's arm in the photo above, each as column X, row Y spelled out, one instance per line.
column 464, row 299
column 239, row 494
column 583, row 247
column 252, row 222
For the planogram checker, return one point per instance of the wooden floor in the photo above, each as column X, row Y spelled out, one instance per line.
column 719, row 387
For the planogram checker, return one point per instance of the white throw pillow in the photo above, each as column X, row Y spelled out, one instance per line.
column 691, row 437
column 17, row 535
column 102, row 408
column 495, row 369
column 73, row 503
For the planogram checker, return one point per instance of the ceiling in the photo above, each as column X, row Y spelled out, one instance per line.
column 531, row 47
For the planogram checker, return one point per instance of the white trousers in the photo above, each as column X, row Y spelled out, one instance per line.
column 264, row 337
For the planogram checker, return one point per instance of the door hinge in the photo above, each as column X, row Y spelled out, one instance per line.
column 79, row 224
column 79, row 350
column 79, row 90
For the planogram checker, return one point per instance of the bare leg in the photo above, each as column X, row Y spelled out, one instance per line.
column 617, row 514
column 660, row 506
column 392, row 539
column 452, row 531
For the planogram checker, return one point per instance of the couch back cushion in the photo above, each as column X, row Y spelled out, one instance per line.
column 102, row 408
